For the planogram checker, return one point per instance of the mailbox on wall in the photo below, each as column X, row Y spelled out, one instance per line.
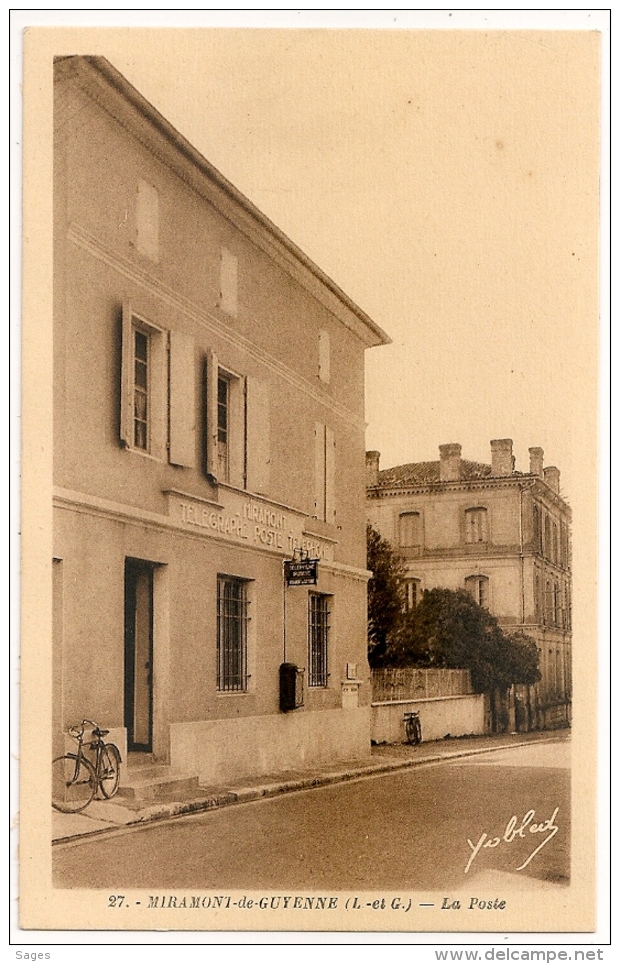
column 291, row 687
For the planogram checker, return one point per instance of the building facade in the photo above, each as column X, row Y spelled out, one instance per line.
column 501, row 534
column 208, row 428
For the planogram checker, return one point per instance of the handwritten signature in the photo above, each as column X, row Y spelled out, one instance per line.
column 515, row 830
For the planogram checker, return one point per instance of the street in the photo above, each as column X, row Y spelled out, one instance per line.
column 430, row 827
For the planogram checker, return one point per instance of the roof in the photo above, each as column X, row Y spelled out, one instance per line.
column 427, row 473
column 99, row 73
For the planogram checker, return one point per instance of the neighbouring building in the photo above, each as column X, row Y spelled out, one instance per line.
column 208, row 428
column 500, row 534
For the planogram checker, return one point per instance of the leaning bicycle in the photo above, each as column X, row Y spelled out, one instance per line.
column 76, row 778
column 413, row 727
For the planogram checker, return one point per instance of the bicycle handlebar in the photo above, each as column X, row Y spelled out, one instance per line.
column 77, row 732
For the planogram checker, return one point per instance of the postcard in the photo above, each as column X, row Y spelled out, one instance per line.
column 310, row 369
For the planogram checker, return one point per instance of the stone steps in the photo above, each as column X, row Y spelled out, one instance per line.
column 147, row 780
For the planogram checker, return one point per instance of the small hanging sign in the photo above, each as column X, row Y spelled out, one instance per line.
column 301, row 571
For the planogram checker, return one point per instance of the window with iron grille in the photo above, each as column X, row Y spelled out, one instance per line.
column 232, row 634
column 318, row 633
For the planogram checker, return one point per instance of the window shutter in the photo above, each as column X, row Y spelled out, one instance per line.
column 126, row 420
column 210, row 383
column 330, row 476
column 319, row 470
column 258, row 435
column 182, row 400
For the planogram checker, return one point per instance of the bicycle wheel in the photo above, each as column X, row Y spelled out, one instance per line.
column 110, row 770
column 73, row 783
column 413, row 730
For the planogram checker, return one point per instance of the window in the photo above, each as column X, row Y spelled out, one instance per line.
column 547, row 537
column 410, row 530
column 223, row 417
column 318, row 632
column 413, row 593
column 147, row 221
column 141, row 405
column 537, row 529
column 476, row 525
column 478, row 588
column 232, row 634
column 324, row 473
column 143, row 394
column 237, row 436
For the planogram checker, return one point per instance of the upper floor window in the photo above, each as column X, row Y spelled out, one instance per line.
column 476, row 525
column 410, row 530
column 237, row 414
column 318, row 638
column 223, row 427
column 147, row 220
column 143, row 393
column 537, row 528
column 413, row 592
column 478, row 588
column 232, row 634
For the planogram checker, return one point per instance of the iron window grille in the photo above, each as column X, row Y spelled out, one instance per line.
column 318, row 635
column 232, row 634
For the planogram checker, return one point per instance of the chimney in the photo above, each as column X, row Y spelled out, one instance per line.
column 551, row 476
column 502, row 462
column 536, row 461
column 372, row 468
column 450, row 462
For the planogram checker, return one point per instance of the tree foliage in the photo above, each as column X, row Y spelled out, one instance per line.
column 448, row 629
column 385, row 595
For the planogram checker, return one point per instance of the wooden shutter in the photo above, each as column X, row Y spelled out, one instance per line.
column 210, row 413
column 182, row 400
column 330, row 475
column 258, row 435
column 127, row 376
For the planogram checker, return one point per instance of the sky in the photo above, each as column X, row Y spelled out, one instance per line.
column 447, row 180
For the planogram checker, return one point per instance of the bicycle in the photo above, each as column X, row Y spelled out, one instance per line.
column 76, row 779
column 413, row 727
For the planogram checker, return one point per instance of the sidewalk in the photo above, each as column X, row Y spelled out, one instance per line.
column 105, row 815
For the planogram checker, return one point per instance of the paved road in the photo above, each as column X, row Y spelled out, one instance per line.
column 407, row 829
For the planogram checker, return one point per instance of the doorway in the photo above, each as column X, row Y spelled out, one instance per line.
column 139, row 655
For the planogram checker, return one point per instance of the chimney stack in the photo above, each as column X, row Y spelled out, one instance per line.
column 450, row 462
column 551, row 476
column 502, row 462
column 536, row 461
column 372, row 468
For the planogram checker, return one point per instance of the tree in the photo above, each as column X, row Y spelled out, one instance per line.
column 385, row 595
column 449, row 629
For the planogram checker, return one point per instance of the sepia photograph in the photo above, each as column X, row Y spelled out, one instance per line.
column 311, row 326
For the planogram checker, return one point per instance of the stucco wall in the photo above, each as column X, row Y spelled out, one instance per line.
column 453, row 715
column 221, row 751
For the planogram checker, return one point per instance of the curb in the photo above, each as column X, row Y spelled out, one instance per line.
column 229, row 798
